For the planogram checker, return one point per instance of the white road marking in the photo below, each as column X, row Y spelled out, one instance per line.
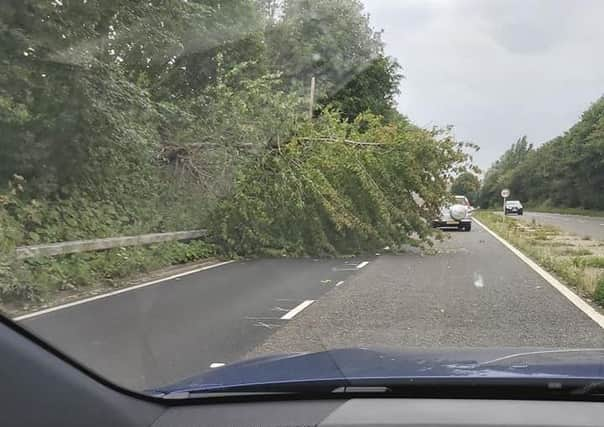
column 341, row 282
column 290, row 314
column 120, row 291
column 363, row 264
column 570, row 295
column 217, row 365
column 478, row 281
column 261, row 318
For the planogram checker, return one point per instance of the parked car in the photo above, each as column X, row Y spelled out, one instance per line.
column 513, row 207
column 457, row 214
column 463, row 200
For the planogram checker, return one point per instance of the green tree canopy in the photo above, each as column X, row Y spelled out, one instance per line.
column 371, row 90
column 499, row 176
column 466, row 184
column 567, row 171
column 134, row 116
column 329, row 39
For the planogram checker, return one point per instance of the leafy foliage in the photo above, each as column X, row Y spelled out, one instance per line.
column 323, row 195
column 128, row 117
column 499, row 176
column 466, row 184
column 38, row 279
column 329, row 39
column 371, row 90
column 599, row 294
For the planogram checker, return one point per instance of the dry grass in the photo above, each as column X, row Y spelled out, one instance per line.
column 572, row 251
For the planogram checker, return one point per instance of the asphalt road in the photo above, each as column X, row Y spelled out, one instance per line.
column 472, row 293
column 158, row 334
column 581, row 225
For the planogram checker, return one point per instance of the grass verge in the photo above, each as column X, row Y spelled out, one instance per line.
column 578, row 263
column 36, row 281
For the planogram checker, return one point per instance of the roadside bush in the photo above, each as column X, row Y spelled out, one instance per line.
column 599, row 294
column 575, row 252
column 83, row 217
column 10, row 233
column 591, row 261
column 37, row 278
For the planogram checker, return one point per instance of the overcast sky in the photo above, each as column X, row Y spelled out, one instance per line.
column 496, row 70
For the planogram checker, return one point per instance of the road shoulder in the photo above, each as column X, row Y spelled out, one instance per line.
column 575, row 299
column 457, row 298
column 71, row 296
column 573, row 265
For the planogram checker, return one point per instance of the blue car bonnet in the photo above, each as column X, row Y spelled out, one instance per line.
column 344, row 367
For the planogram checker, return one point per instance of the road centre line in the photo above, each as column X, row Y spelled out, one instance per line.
column 120, row 291
column 294, row 311
column 363, row 264
column 570, row 295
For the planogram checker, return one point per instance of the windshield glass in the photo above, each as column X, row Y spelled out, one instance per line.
column 186, row 185
column 462, row 200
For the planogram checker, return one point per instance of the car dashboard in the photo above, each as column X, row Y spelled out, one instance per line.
column 390, row 412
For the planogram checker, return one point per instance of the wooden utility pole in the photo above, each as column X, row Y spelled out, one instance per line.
column 312, row 97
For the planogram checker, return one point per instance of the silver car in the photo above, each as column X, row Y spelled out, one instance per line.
column 513, row 207
column 457, row 215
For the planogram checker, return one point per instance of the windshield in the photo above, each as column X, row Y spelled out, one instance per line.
column 189, row 185
column 462, row 200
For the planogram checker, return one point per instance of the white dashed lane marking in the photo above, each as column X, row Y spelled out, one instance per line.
column 294, row 311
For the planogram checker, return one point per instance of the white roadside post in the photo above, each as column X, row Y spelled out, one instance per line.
column 505, row 193
column 312, row 97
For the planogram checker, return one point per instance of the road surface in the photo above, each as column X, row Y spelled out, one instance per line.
column 158, row 334
column 583, row 226
column 473, row 293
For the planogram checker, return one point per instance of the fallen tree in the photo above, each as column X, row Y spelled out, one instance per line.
column 339, row 187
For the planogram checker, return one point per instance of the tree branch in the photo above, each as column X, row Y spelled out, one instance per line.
column 347, row 141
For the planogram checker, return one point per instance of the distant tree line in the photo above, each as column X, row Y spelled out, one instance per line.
column 567, row 171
